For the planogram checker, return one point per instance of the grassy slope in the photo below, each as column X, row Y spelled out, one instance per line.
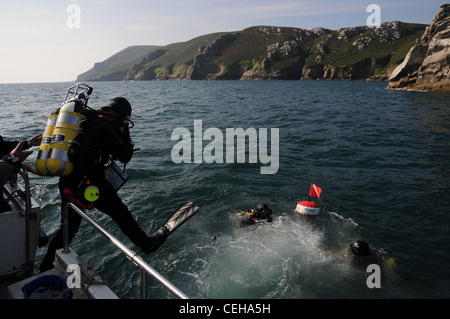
column 120, row 61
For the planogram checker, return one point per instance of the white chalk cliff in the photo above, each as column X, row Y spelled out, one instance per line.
column 426, row 67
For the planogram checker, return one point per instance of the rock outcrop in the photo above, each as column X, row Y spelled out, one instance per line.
column 426, row 67
column 200, row 68
column 131, row 74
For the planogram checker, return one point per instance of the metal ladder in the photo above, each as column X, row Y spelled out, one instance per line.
column 133, row 256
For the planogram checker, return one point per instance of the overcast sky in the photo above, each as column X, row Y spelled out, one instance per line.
column 55, row 40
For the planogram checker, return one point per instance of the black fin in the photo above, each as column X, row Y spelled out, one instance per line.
column 181, row 215
column 178, row 217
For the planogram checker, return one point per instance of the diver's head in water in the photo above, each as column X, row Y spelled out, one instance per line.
column 360, row 248
column 263, row 211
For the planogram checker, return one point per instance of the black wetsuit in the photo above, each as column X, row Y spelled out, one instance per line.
column 104, row 136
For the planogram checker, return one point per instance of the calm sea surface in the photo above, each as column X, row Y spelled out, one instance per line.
column 381, row 157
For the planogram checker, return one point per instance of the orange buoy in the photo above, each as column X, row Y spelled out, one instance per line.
column 308, row 208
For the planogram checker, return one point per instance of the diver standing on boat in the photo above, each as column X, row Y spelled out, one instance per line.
column 106, row 138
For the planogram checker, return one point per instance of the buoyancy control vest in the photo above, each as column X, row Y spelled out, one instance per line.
column 63, row 127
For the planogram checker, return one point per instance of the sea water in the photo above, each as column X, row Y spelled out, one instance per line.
column 380, row 156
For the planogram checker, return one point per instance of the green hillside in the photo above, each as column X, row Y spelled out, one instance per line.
column 266, row 52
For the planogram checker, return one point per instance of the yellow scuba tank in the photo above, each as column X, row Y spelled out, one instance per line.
column 67, row 128
column 54, row 151
column 45, row 144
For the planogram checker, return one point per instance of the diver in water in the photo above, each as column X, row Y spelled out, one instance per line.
column 360, row 255
column 106, row 138
column 364, row 254
column 361, row 248
column 262, row 213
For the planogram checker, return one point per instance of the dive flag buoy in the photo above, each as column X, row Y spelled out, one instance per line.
column 309, row 208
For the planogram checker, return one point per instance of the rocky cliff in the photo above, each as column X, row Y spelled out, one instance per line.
column 427, row 65
column 273, row 53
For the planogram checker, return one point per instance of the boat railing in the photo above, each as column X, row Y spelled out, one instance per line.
column 145, row 268
column 24, row 175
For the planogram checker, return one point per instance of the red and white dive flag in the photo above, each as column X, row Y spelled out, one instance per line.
column 315, row 191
